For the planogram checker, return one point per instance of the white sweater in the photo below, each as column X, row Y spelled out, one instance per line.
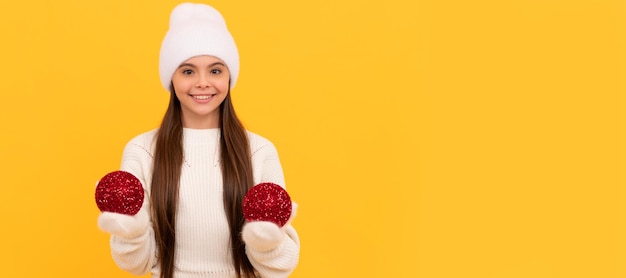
column 202, row 233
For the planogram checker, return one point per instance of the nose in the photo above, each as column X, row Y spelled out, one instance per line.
column 203, row 81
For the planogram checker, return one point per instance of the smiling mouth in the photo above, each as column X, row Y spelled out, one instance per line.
column 202, row 97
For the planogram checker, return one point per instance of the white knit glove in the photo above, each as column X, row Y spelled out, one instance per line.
column 263, row 236
column 125, row 226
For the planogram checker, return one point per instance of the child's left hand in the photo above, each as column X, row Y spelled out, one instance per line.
column 263, row 236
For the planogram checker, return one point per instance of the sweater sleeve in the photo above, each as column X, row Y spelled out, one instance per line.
column 282, row 260
column 137, row 255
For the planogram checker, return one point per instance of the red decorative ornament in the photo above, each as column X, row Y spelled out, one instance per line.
column 119, row 192
column 267, row 202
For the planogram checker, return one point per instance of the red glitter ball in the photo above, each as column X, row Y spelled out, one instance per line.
column 267, row 202
column 119, row 192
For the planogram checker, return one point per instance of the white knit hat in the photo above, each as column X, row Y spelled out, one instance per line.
column 196, row 29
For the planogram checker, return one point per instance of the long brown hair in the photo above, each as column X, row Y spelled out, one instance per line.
column 237, row 179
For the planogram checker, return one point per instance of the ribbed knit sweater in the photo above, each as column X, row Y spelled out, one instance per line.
column 202, row 233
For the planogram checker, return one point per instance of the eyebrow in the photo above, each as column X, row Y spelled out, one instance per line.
column 194, row 66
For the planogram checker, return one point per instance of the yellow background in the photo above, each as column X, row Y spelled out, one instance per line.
column 420, row 138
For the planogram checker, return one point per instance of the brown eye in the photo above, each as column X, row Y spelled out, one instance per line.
column 187, row 72
column 216, row 71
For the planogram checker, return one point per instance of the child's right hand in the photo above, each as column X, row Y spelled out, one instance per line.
column 113, row 203
column 125, row 226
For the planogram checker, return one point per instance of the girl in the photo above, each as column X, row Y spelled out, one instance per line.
column 196, row 168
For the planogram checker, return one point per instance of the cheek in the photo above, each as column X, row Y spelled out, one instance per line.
column 180, row 90
column 222, row 84
column 181, row 85
column 176, row 84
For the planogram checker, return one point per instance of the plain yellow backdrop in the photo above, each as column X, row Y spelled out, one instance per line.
column 420, row 138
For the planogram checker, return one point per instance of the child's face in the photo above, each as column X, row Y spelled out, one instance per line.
column 201, row 84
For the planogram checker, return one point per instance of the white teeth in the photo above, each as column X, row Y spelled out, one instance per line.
column 202, row 97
